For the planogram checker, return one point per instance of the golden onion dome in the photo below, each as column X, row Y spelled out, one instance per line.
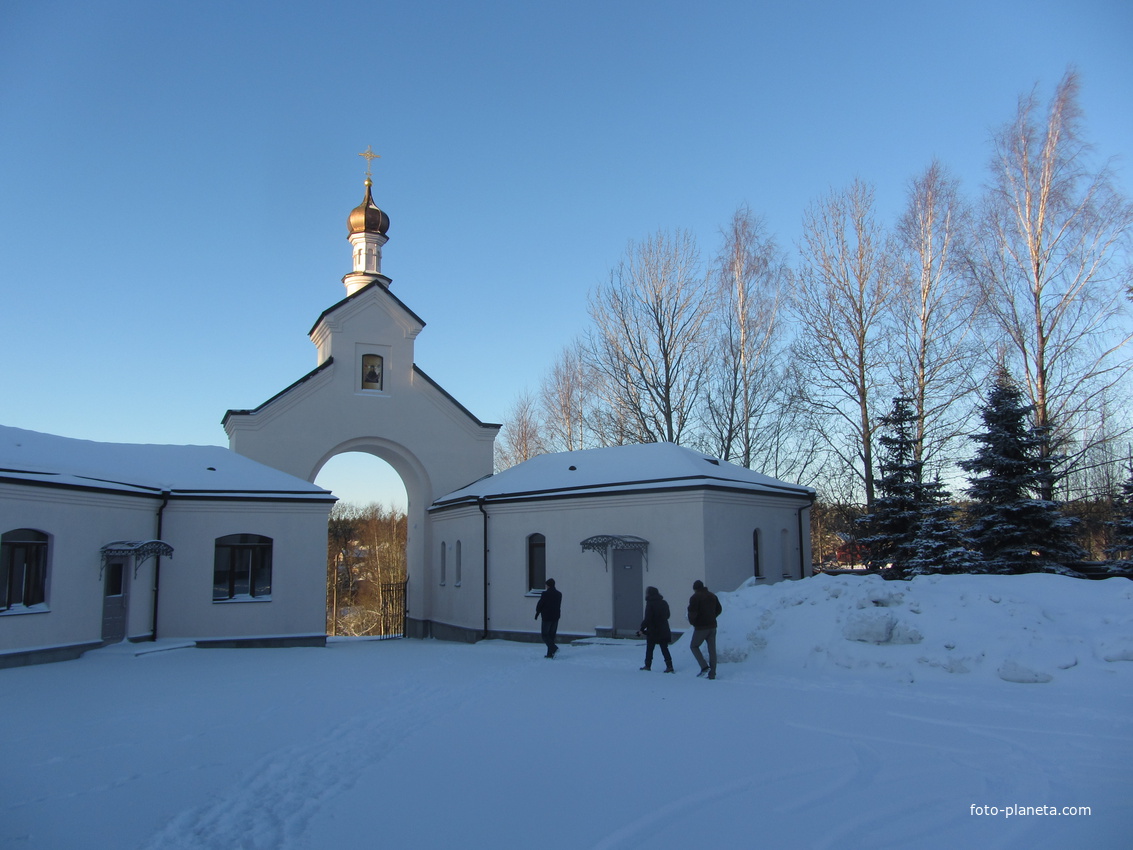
column 366, row 217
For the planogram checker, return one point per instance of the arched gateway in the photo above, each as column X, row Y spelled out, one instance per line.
column 368, row 395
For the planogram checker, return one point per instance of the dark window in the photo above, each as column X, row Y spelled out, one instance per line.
column 536, row 562
column 23, row 568
column 242, row 567
column 114, row 583
column 755, row 553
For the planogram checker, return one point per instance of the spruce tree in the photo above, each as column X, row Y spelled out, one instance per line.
column 891, row 527
column 1014, row 529
column 939, row 543
column 1121, row 549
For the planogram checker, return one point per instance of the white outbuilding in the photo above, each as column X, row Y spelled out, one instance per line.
column 101, row 542
column 605, row 524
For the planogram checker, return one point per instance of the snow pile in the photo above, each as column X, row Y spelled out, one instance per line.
column 1023, row 629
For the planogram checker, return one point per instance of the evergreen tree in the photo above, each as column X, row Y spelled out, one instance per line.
column 1014, row 529
column 1121, row 549
column 892, row 525
column 939, row 543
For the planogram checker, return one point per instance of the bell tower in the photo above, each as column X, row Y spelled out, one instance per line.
column 367, row 228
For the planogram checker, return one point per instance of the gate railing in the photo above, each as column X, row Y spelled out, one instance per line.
column 380, row 612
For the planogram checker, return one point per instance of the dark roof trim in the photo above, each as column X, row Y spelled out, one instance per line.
column 620, row 489
column 142, row 491
column 358, row 294
column 448, row 395
column 324, row 365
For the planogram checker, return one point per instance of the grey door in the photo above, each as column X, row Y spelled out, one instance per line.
column 629, row 596
column 115, row 599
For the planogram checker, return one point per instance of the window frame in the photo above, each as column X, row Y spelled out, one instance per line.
column 34, row 571
column 259, row 550
column 536, row 562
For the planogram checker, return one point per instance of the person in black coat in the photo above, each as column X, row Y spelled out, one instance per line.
column 703, row 609
column 548, row 607
column 655, row 627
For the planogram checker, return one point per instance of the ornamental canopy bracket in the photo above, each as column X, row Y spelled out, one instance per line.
column 603, row 543
column 140, row 550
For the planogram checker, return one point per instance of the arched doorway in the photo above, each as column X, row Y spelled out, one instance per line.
column 367, row 570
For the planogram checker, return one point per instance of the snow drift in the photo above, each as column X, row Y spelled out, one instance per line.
column 1022, row 629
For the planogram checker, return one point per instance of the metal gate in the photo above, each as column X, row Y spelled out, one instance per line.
column 379, row 612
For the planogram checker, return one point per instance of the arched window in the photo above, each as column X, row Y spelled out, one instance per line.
column 456, row 582
column 536, row 562
column 755, row 553
column 444, row 561
column 242, row 567
column 23, row 568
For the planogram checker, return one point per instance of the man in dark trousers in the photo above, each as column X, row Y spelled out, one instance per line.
column 703, row 609
column 548, row 607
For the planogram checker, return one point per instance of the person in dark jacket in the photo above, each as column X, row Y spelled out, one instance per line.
column 703, row 609
column 548, row 607
column 655, row 627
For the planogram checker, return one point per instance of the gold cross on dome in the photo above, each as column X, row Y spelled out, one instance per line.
column 370, row 157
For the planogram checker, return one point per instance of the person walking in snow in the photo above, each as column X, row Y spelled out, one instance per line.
column 548, row 607
column 703, row 609
column 655, row 627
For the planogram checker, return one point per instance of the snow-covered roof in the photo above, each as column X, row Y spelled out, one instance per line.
column 204, row 471
column 618, row 469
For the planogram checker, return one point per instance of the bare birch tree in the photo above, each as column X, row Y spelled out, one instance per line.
column 744, row 379
column 566, row 400
column 520, row 437
column 936, row 344
column 646, row 346
column 841, row 299
column 1053, row 261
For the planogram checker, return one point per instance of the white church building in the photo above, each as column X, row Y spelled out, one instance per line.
column 605, row 523
column 102, row 542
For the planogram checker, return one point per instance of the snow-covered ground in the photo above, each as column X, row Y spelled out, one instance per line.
column 849, row 712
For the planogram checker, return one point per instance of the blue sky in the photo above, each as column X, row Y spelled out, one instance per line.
column 176, row 177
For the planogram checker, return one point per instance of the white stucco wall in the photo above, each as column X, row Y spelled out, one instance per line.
column 729, row 522
column 297, row 605
column 692, row 535
column 78, row 525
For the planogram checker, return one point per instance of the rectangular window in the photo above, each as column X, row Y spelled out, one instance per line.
column 373, row 368
column 536, row 562
column 242, row 567
column 755, row 553
column 23, row 568
column 114, row 583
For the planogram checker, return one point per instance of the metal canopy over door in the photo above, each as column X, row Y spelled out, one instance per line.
column 627, row 556
column 116, row 558
column 628, row 591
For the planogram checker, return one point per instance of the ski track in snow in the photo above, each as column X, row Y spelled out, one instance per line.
column 271, row 805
